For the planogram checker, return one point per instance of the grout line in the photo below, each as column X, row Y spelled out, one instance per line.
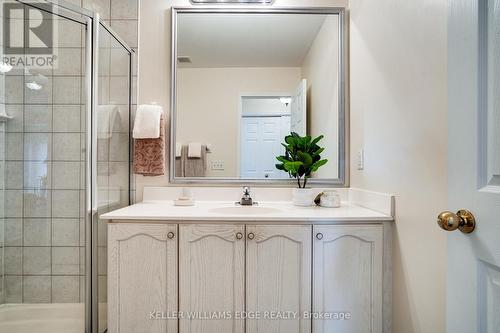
column 51, row 182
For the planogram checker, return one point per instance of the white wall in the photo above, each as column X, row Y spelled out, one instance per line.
column 208, row 102
column 399, row 114
column 320, row 68
column 398, row 96
column 268, row 104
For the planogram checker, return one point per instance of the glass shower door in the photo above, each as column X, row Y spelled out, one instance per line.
column 44, row 100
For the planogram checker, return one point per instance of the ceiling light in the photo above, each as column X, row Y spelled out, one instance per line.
column 33, row 85
column 4, row 67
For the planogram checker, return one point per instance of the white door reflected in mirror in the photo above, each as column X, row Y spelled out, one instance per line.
column 265, row 120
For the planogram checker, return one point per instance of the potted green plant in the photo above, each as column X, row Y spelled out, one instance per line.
column 302, row 158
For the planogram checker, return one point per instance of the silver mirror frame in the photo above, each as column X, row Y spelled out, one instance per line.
column 343, row 93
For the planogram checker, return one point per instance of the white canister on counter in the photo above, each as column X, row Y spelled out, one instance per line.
column 330, row 199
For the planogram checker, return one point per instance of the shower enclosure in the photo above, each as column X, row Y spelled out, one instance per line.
column 65, row 106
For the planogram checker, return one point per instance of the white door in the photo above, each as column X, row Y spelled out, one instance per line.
column 285, row 130
column 211, row 277
column 261, row 139
column 142, row 278
column 278, row 277
column 298, row 109
column 347, row 271
column 473, row 283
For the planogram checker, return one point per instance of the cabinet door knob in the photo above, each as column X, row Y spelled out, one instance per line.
column 319, row 235
column 239, row 235
column 170, row 235
column 251, row 235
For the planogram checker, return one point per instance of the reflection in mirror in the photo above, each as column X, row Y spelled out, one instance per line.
column 244, row 81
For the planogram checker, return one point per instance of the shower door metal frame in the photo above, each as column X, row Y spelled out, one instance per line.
column 91, row 20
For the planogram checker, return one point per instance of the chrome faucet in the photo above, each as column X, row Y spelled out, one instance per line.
column 246, row 200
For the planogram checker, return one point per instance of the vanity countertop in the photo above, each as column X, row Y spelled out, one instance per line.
column 158, row 210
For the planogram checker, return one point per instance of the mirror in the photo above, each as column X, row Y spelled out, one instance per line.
column 243, row 80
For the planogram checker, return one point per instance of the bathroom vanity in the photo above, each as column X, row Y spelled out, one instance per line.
column 217, row 267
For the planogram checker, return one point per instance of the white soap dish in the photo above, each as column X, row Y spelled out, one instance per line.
column 183, row 202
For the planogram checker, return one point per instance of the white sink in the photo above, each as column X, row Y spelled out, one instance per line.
column 245, row 210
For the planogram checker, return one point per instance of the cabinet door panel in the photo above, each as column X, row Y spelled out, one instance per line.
column 278, row 277
column 211, row 280
column 347, row 271
column 142, row 277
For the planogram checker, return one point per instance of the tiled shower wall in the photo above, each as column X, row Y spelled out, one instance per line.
column 2, row 171
column 45, row 172
column 45, row 177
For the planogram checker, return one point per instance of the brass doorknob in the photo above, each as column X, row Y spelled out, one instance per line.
column 463, row 220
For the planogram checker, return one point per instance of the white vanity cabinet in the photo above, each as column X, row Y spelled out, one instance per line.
column 229, row 268
column 211, row 276
column 142, row 273
column 278, row 271
column 348, row 278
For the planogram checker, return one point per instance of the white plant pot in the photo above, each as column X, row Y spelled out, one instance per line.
column 302, row 197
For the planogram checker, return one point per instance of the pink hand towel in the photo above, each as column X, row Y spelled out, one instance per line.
column 149, row 154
